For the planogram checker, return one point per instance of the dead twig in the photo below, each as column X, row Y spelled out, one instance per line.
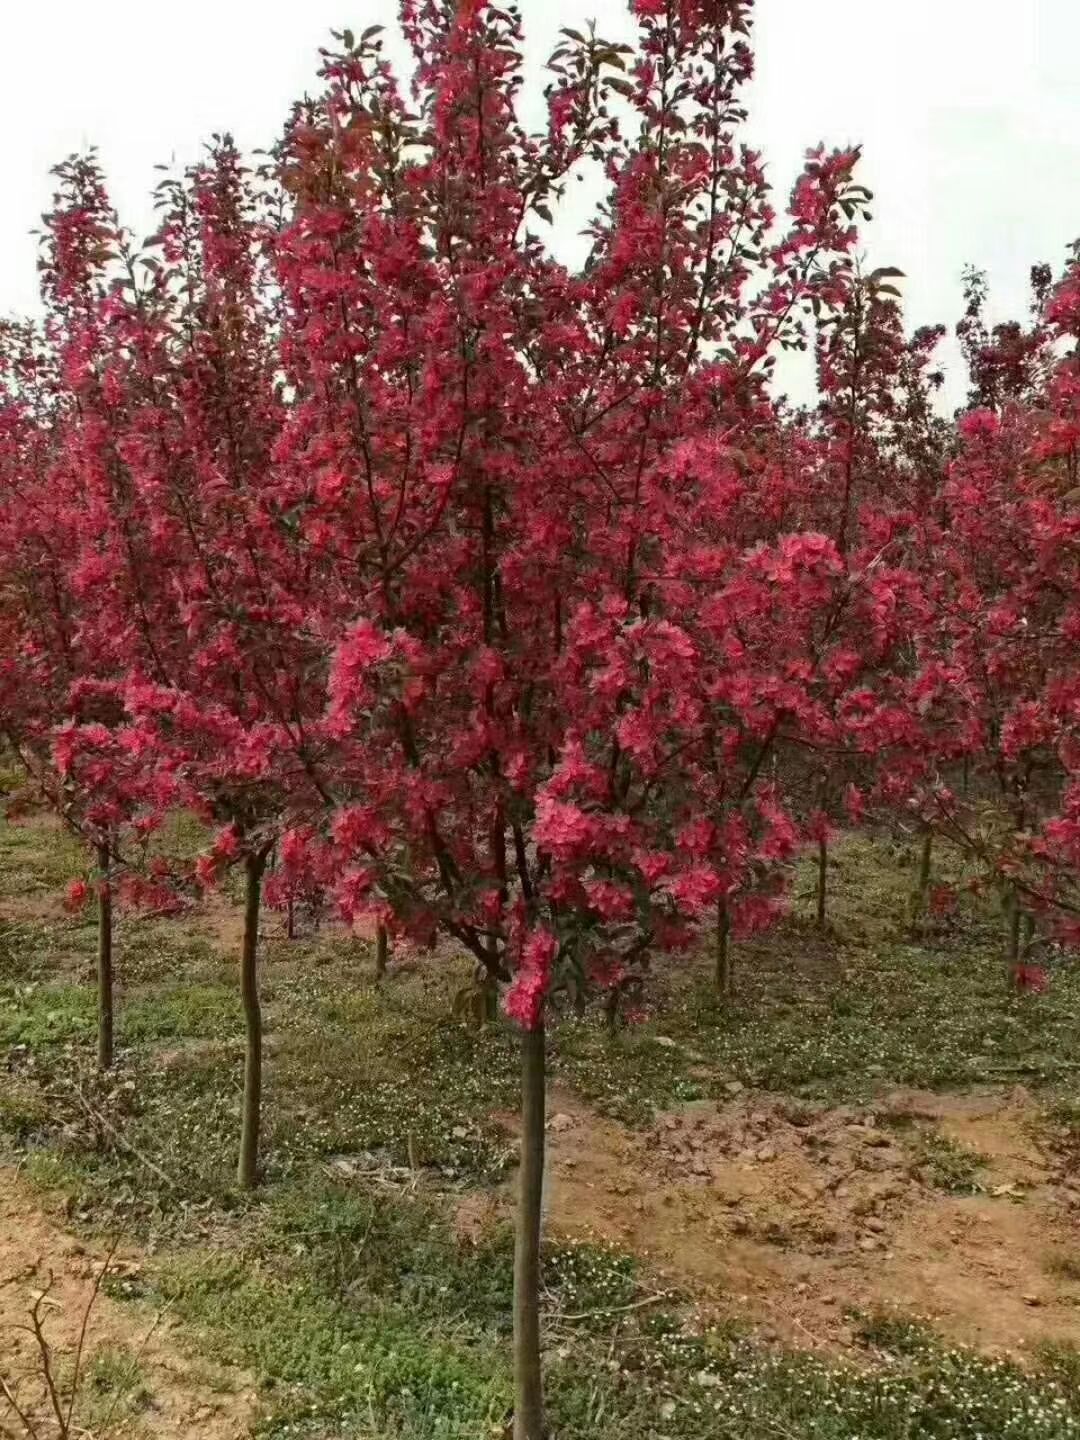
column 99, row 1280
column 94, row 1114
column 617, row 1309
column 44, row 1370
column 24, row 1419
column 37, row 1327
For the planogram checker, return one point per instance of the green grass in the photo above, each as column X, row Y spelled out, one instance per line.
column 33, row 949
column 323, row 1366
column 1060, row 1130
column 1066, row 1265
column 39, row 1015
column 842, row 1015
column 947, row 1165
column 834, row 1017
column 1059, row 1360
column 377, row 1078
column 24, row 1114
column 38, row 858
column 159, row 953
column 360, row 1314
column 342, row 1287
column 182, row 1012
column 894, row 1014
column 894, row 1333
column 113, row 1391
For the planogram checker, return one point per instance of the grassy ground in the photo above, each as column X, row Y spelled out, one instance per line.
column 343, row 1286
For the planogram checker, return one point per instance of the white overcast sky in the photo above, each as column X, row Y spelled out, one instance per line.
column 968, row 110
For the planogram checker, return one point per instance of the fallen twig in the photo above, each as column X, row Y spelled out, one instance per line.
column 118, row 1138
column 618, row 1309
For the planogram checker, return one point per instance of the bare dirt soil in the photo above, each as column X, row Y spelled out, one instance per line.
column 180, row 1398
column 790, row 1216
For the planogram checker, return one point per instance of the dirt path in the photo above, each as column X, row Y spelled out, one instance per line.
column 183, row 1398
column 789, row 1216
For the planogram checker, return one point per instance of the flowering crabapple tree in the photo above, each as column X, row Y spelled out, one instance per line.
column 185, row 573
column 1008, row 363
column 1019, row 466
column 40, row 659
column 477, row 467
column 748, row 599
column 845, row 484
column 1056, row 459
column 59, row 702
column 997, row 652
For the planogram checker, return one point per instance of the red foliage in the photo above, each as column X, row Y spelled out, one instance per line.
column 502, row 596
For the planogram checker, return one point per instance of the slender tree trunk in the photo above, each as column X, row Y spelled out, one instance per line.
column 104, row 962
column 610, row 1007
column 1029, row 933
column 247, row 1172
column 528, row 1384
column 382, row 951
column 290, row 919
column 920, row 900
column 488, row 998
column 1015, row 916
column 822, row 881
column 725, row 968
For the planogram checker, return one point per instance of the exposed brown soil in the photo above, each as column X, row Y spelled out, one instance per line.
column 788, row 1215
column 40, row 907
column 186, row 1398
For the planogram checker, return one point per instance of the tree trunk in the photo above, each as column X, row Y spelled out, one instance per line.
column 528, row 1385
column 1029, row 933
column 104, row 962
column 610, row 1007
column 382, row 951
column 725, row 968
column 488, row 998
column 247, row 1172
column 1013, row 959
column 822, row 880
column 920, row 900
